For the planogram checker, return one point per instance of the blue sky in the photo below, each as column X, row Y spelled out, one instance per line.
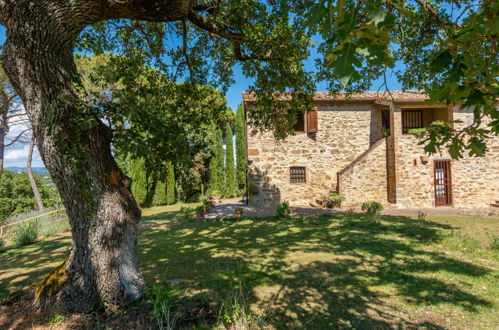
column 16, row 155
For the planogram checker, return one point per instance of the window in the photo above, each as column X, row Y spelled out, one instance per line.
column 297, row 174
column 307, row 123
column 411, row 119
column 300, row 123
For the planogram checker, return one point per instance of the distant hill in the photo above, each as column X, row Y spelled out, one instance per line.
column 41, row 171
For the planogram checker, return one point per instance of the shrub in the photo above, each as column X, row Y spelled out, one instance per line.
column 200, row 209
column 216, row 193
column 2, row 244
column 187, row 212
column 419, row 132
column 373, row 209
column 26, row 233
column 334, row 200
column 283, row 210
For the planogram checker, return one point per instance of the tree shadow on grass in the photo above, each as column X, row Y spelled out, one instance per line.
column 31, row 262
column 315, row 272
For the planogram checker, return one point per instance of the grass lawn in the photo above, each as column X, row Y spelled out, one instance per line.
column 318, row 272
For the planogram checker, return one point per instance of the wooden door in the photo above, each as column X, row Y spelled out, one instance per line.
column 443, row 182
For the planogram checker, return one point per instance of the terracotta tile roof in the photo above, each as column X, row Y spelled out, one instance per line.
column 398, row 96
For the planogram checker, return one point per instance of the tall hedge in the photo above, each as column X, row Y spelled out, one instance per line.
column 230, row 173
column 217, row 177
column 138, row 173
column 240, row 149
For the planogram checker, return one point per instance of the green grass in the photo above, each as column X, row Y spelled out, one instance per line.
column 317, row 272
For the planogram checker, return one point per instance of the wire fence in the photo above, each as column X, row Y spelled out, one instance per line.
column 50, row 223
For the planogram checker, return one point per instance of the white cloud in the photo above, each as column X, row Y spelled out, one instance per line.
column 18, row 156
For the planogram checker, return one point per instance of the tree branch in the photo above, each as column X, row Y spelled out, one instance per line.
column 432, row 12
column 224, row 32
column 17, row 138
column 215, row 28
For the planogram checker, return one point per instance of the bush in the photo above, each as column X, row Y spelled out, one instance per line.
column 216, row 193
column 419, row 132
column 283, row 210
column 2, row 244
column 187, row 212
column 200, row 209
column 26, row 233
column 334, row 200
column 373, row 209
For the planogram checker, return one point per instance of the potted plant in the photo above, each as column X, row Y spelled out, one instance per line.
column 208, row 205
column 215, row 197
column 373, row 209
column 200, row 212
column 283, row 210
column 239, row 212
column 335, row 200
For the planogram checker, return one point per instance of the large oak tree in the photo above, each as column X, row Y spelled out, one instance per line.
column 205, row 38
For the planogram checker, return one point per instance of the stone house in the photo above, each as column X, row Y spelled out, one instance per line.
column 340, row 147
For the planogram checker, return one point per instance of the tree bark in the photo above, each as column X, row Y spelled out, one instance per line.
column 32, row 180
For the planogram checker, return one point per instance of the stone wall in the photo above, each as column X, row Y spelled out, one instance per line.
column 345, row 132
column 365, row 179
column 475, row 180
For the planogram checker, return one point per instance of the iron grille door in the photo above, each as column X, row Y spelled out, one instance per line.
column 443, row 182
column 411, row 119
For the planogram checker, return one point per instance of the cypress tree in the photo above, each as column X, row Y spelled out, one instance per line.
column 240, row 149
column 170, row 183
column 138, row 174
column 230, row 175
column 217, row 160
column 160, row 193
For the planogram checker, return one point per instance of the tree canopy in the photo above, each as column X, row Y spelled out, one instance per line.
column 446, row 48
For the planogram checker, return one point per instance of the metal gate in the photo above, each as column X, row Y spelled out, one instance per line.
column 443, row 182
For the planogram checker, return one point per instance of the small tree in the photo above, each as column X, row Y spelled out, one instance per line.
column 240, row 149
column 230, row 174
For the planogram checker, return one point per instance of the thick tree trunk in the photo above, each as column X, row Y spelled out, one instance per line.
column 31, row 177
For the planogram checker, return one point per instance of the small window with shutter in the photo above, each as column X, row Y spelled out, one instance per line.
column 307, row 123
column 312, row 121
column 297, row 174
